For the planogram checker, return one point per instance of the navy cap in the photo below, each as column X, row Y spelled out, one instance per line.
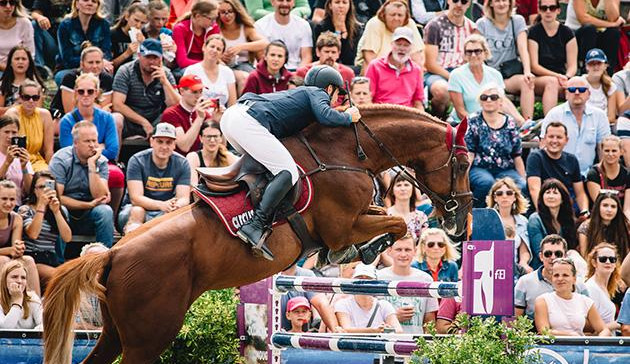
column 151, row 47
column 596, row 54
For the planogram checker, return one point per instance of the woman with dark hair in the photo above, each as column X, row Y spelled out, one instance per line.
column 15, row 29
column 554, row 216
column 340, row 19
column 129, row 24
column 403, row 198
column 192, row 31
column 14, row 160
column 610, row 174
column 607, row 224
column 213, row 151
column 604, row 279
column 270, row 74
column 20, row 67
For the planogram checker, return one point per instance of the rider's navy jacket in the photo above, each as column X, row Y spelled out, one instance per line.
column 285, row 113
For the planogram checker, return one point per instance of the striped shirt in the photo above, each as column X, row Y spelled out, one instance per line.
column 46, row 239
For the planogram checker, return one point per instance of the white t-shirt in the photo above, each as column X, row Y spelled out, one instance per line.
column 360, row 317
column 598, row 99
column 296, row 35
column 603, row 304
column 567, row 315
column 13, row 319
column 214, row 90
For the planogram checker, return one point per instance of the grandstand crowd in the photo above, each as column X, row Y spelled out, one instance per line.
column 83, row 78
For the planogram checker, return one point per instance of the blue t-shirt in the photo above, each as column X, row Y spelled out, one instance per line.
column 159, row 184
column 624, row 312
column 463, row 82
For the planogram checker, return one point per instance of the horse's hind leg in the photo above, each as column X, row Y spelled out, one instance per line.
column 108, row 346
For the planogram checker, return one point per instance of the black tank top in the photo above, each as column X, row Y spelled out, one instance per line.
column 202, row 163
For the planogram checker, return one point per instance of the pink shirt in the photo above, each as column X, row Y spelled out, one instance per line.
column 14, row 173
column 393, row 86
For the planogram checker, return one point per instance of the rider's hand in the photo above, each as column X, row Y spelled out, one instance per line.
column 354, row 113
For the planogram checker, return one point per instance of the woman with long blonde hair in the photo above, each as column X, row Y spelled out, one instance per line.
column 437, row 256
column 604, row 279
column 19, row 308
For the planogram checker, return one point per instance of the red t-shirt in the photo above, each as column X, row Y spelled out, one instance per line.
column 177, row 116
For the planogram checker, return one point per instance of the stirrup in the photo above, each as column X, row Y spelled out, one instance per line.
column 369, row 251
column 259, row 249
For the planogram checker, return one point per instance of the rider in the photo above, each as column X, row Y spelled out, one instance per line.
column 255, row 123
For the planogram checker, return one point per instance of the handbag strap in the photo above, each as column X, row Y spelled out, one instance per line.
column 376, row 306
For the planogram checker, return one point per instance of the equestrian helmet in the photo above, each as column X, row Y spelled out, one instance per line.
column 322, row 76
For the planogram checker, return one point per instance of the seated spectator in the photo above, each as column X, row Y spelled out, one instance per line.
column 90, row 316
column 86, row 93
column 35, row 124
column 298, row 313
column 364, row 313
column 603, row 91
column 553, row 53
column 327, row 49
column 113, row 10
column 553, row 162
column 437, row 256
column 158, row 181
column 20, row 67
column 394, row 78
column 143, row 89
column 47, row 15
column 532, row 285
column 294, row 31
column 259, row 8
column 506, row 197
column 610, row 173
column 377, row 39
column 528, row 9
column 340, row 18
column 191, row 32
column 412, row 312
column 449, row 309
column 15, row 30
column 44, row 221
column 507, row 39
column 81, row 173
column 213, row 152
column 624, row 315
column 364, row 10
column 608, row 224
column 494, row 145
column 21, row 308
column 603, row 281
column 71, row 35
column 156, row 28
column 360, row 91
column 270, row 74
column 467, row 81
column 596, row 25
column 404, row 200
column 554, row 216
column 15, row 165
column 129, row 24
column 563, row 312
column 218, row 79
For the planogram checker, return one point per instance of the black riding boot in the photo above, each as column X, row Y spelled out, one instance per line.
column 256, row 231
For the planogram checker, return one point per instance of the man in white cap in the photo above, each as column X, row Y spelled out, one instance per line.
column 395, row 79
column 158, row 180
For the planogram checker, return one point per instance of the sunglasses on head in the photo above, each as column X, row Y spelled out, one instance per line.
column 476, row 52
column 603, row 259
column 557, row 253
column 493, row 97
column 432, row 244
column 464, row 2
column 8, row 2
column 30, row 97
column 578, row 89
column 501, row 193
column 544, row 8
column 83, row 92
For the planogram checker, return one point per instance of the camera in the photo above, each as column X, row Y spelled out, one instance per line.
column 50, row 184
column 20, row 141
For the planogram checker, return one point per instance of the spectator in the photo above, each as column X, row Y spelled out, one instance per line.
column 528, row 9
column 506, row 197
column 445, row 36
column 35, row 123
column 506, row 35
column 596, row 25
column 360, row 91
column 364, row 9
column 20, row 308
column 177, row 10
column 15, row 166
column 404, row 199
column 412, row 312
column 610, row 174
column 15, row 29
column 81, row 173
column 47, row 15
column 624, row 315
column 377, row 38
column 86, row 92
column 364, row 313
column 449, row 308
column 129, row 25
column 44, row 221
column 437, row 256
column 328, row 49
column 20, row 67
column 270, row 74
column 298, row 313
column 563, row 312
column 464, row 85
column 603, row 281
column 607, row 224
column 260, row 8
column 143, row 89
column 156, row 28
column 395, row 78
column 494, row 144
column 554, row 216
column 294, row 31
column 552, row 67
column 191, row 33
column 423, row 11
column 113, row 10
column 83, row 24
column 621, row 80
column 603, row 91
column 553, row 162
column 218, row 79
column 158, row 181
column 213, row 151
column 532, row 285
column 340, row 18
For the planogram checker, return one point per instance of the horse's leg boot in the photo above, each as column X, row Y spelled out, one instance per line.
column 256, row 231
column 343, row 256
column 369, row 251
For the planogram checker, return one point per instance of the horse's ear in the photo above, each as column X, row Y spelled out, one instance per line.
column 461, row 132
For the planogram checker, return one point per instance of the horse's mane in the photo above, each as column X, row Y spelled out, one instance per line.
column 397, row 111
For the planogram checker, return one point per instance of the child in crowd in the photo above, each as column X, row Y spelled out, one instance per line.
column 299, row 313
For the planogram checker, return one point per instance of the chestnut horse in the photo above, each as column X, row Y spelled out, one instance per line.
column 150, row 278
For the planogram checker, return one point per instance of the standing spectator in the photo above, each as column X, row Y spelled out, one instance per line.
column 81, row 173
column 213, row 151
column 360, row 90
column 84, row 24
column 190, row 33
column 340, row 18
column 260, row 8
column 15, row 29
column 553, row 67
column 494, row 145
column 437, row 256
column 610, row 174
column 143, row 89
column 607, row 224
column 403, row 198
column 506, row 35
column 395, row 78
column 445, row 36
column 20, row 67
column 328, row 49
column 20, row 308
column 294, row 31
column 270, row 74
column 15, row 166
column 298, row 313
column 603, row 281
column 603, row 91
column 47, row 15
column 218, row 79
column 158, row 181
column 130, row 23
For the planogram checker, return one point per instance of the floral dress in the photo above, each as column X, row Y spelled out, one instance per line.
column 493, row 148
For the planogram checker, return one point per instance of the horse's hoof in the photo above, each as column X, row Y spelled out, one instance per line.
column 343, row 256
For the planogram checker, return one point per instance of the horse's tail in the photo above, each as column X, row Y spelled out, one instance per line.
column 62, row 301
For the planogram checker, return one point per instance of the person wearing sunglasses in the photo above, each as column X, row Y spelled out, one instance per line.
column 603, row 281
column 191, row 31
column 608, row 223
column 15, row 29
column 437, row 256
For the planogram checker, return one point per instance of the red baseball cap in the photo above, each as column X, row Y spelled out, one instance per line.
column 297, row 302
column 191, row 82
